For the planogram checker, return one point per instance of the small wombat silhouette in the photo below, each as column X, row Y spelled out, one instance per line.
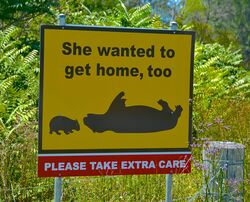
column 133, row 119
column 64, row 124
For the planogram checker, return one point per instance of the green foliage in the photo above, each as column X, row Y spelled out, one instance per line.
column 27, row 15
column 116, row 16
column 21, row 11
column 217, row 76
column 18, row 112
column 225, row 22
column 18, row 76
column 217, row 72
column 96, row 5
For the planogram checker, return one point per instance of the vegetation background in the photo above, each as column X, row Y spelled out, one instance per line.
column 221, row 104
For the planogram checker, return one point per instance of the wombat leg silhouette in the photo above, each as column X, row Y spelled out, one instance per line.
column 178, row 107
column 118, row 103
column 69, row 131
column 165, row 106
column 51, row 132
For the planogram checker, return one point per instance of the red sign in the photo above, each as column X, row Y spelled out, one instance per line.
column 113, row 164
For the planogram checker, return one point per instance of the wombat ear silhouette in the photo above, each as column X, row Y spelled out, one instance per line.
column 133, row 119
column 63, row 123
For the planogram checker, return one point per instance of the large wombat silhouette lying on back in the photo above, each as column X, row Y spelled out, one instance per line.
column 133, row 119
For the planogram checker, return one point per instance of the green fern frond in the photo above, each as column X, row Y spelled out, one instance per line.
column 243, row 85
column 208, row 63
column 12, row 115
column 12, row 130
column 30, row 64
column 140, row 13
column 25, row 115
column 31, row 57
column 7, row 47
column 6, row 35
column 2, row 125
column 144, row 22
column 124, row 9
column 11, row 55
column 23, row 112
column 187, row 27
column 7, row 83
column 85, row 8
column 156, row 22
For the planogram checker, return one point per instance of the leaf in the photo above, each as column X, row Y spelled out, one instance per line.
column 124, row 8
column 7, row 83
column 2, row 125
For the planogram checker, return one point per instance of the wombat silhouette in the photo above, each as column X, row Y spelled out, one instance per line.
column 62, row 123
column 133, row 119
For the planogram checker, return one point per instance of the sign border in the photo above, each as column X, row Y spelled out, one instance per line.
column 112, row 29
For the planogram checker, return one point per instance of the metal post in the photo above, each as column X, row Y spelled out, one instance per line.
column 58, row 189
column 173, row 26
column 61, row 19
column 58, row 180
column 169, row 188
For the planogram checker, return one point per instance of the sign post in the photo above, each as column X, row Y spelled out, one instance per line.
column 58, row 189
column 173, row 26
column 114, row 101
column 169, row 188
column 58, row 180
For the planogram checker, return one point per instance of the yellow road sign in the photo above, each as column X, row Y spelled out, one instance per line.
column 115, row 89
